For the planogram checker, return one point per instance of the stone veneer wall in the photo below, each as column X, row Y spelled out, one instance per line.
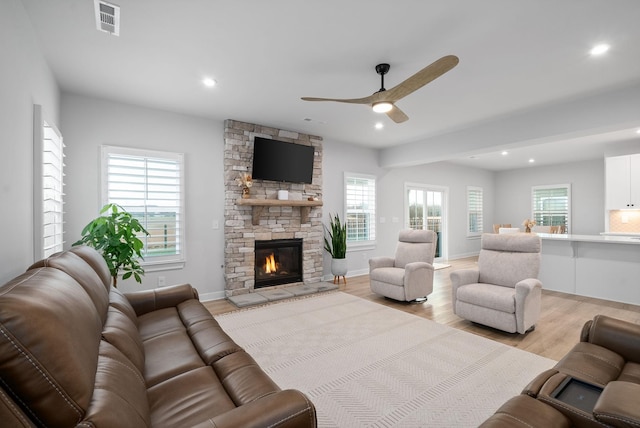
column 275, row 222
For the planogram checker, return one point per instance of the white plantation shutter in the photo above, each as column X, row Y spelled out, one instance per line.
column 360, row 203
column 551, row 205
column 48, row 187
column 475, row 225
column 149, row 185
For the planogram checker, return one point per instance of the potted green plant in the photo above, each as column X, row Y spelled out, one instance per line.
column 336, row 245
column 115, row 236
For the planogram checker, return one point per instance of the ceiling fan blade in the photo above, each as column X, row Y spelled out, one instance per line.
column 421, row 78
column 365, row 100
column 397, row 115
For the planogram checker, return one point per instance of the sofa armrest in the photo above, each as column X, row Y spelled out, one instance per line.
column 522, row 410
column 618, row 405
column 621, row 337
column 534, row 387
column 380, row 262
column 151, row 300
column 283, row 409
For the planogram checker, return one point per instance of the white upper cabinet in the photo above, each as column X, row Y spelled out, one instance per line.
column 622, row 174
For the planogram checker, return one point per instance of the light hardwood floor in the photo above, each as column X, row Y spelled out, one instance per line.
column 558, row 330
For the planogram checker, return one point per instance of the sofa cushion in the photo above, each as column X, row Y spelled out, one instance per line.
column 489, row 296
column 243, row 379
column 206, row 334
column 49, row 358
column 630, row 373
column 74, row 266
column 120, row 302
column 120, row 395
column 122, row 333
column 592, row 363
column 188, row 399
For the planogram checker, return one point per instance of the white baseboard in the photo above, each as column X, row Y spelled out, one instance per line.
column 464, row 255
column 218, row 295
column 348, row 275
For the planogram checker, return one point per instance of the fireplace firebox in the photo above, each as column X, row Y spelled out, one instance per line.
column 278, row 261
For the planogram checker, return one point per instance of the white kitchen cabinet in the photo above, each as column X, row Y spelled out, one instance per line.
column 622, row 175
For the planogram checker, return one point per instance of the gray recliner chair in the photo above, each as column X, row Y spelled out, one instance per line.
column 503, row 292
column 408, row 276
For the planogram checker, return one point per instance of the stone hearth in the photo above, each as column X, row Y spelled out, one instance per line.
column 275, row 222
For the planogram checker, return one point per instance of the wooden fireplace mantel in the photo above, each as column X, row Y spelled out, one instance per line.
column 259, row 205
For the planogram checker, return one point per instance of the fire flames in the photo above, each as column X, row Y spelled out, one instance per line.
column 270, row 264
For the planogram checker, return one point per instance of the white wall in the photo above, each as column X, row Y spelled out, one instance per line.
column 89, row 122
column 513, row 193
column 25, row 79
column 443, row 174
column 339, row 158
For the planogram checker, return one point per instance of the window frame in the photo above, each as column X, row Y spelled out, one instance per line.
column 356, row 245
column 566, row 186
column 43, row 211
column 152, row 263
column 480, row 231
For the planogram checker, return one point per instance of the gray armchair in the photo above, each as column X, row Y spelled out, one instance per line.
column 503, row 292
column 408, row 276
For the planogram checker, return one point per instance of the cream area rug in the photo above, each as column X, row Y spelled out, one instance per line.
column 367, row 365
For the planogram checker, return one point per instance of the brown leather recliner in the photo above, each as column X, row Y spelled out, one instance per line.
column 607, row 358
column 76, row 352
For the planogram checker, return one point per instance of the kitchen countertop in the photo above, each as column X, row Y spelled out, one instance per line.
column 605, row 239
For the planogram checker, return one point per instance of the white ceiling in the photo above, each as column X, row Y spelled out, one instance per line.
column 515, row 56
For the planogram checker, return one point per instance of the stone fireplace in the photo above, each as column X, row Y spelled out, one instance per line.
column 263, row 218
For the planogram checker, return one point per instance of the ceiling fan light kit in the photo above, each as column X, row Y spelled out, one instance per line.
column 382, row 107
column 383, row 101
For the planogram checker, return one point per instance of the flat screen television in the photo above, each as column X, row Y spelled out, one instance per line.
column 281, row 161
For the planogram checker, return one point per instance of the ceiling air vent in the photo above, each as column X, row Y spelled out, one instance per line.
column 107, row 17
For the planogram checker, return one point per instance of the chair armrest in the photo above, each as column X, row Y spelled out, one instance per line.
column 380, row 262
column 621, row 337
column 283, row 409
column 528, row 302
column 522, row 410
column 151, row 300
column 418, row 280
column 459, row 278
column 464, row 276
column 618, row 404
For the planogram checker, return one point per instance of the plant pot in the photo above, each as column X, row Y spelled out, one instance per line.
column 339, row 267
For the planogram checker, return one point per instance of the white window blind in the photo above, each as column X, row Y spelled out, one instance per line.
column 149, row 185
column 360, row 203
column 475, row 225
column 48, row 187
column 551, row 205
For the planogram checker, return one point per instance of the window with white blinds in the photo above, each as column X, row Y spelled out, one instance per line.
column 360, row 203
column 551, row 206
column 149, row 185
column 48, row 187
column 475, row 225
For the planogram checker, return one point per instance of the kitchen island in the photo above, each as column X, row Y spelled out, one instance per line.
column 605, row 267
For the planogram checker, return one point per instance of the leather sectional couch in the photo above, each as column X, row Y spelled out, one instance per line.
column 597, row 384
column 76, row 352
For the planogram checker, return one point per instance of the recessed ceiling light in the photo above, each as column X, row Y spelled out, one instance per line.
column 599, row 49
column 532, row 160
column 379, row 125
column 504, row 153
column 208, row 82
column 638, row 131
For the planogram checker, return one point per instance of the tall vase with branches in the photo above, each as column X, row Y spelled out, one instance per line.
column 336, row 245
column 115, row 234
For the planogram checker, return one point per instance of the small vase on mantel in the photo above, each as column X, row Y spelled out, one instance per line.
column 245, row 192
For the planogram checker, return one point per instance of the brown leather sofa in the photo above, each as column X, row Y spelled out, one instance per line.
column 607, row 359
column 76, row 352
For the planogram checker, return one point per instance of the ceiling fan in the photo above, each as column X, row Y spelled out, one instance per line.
column 383, row 101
